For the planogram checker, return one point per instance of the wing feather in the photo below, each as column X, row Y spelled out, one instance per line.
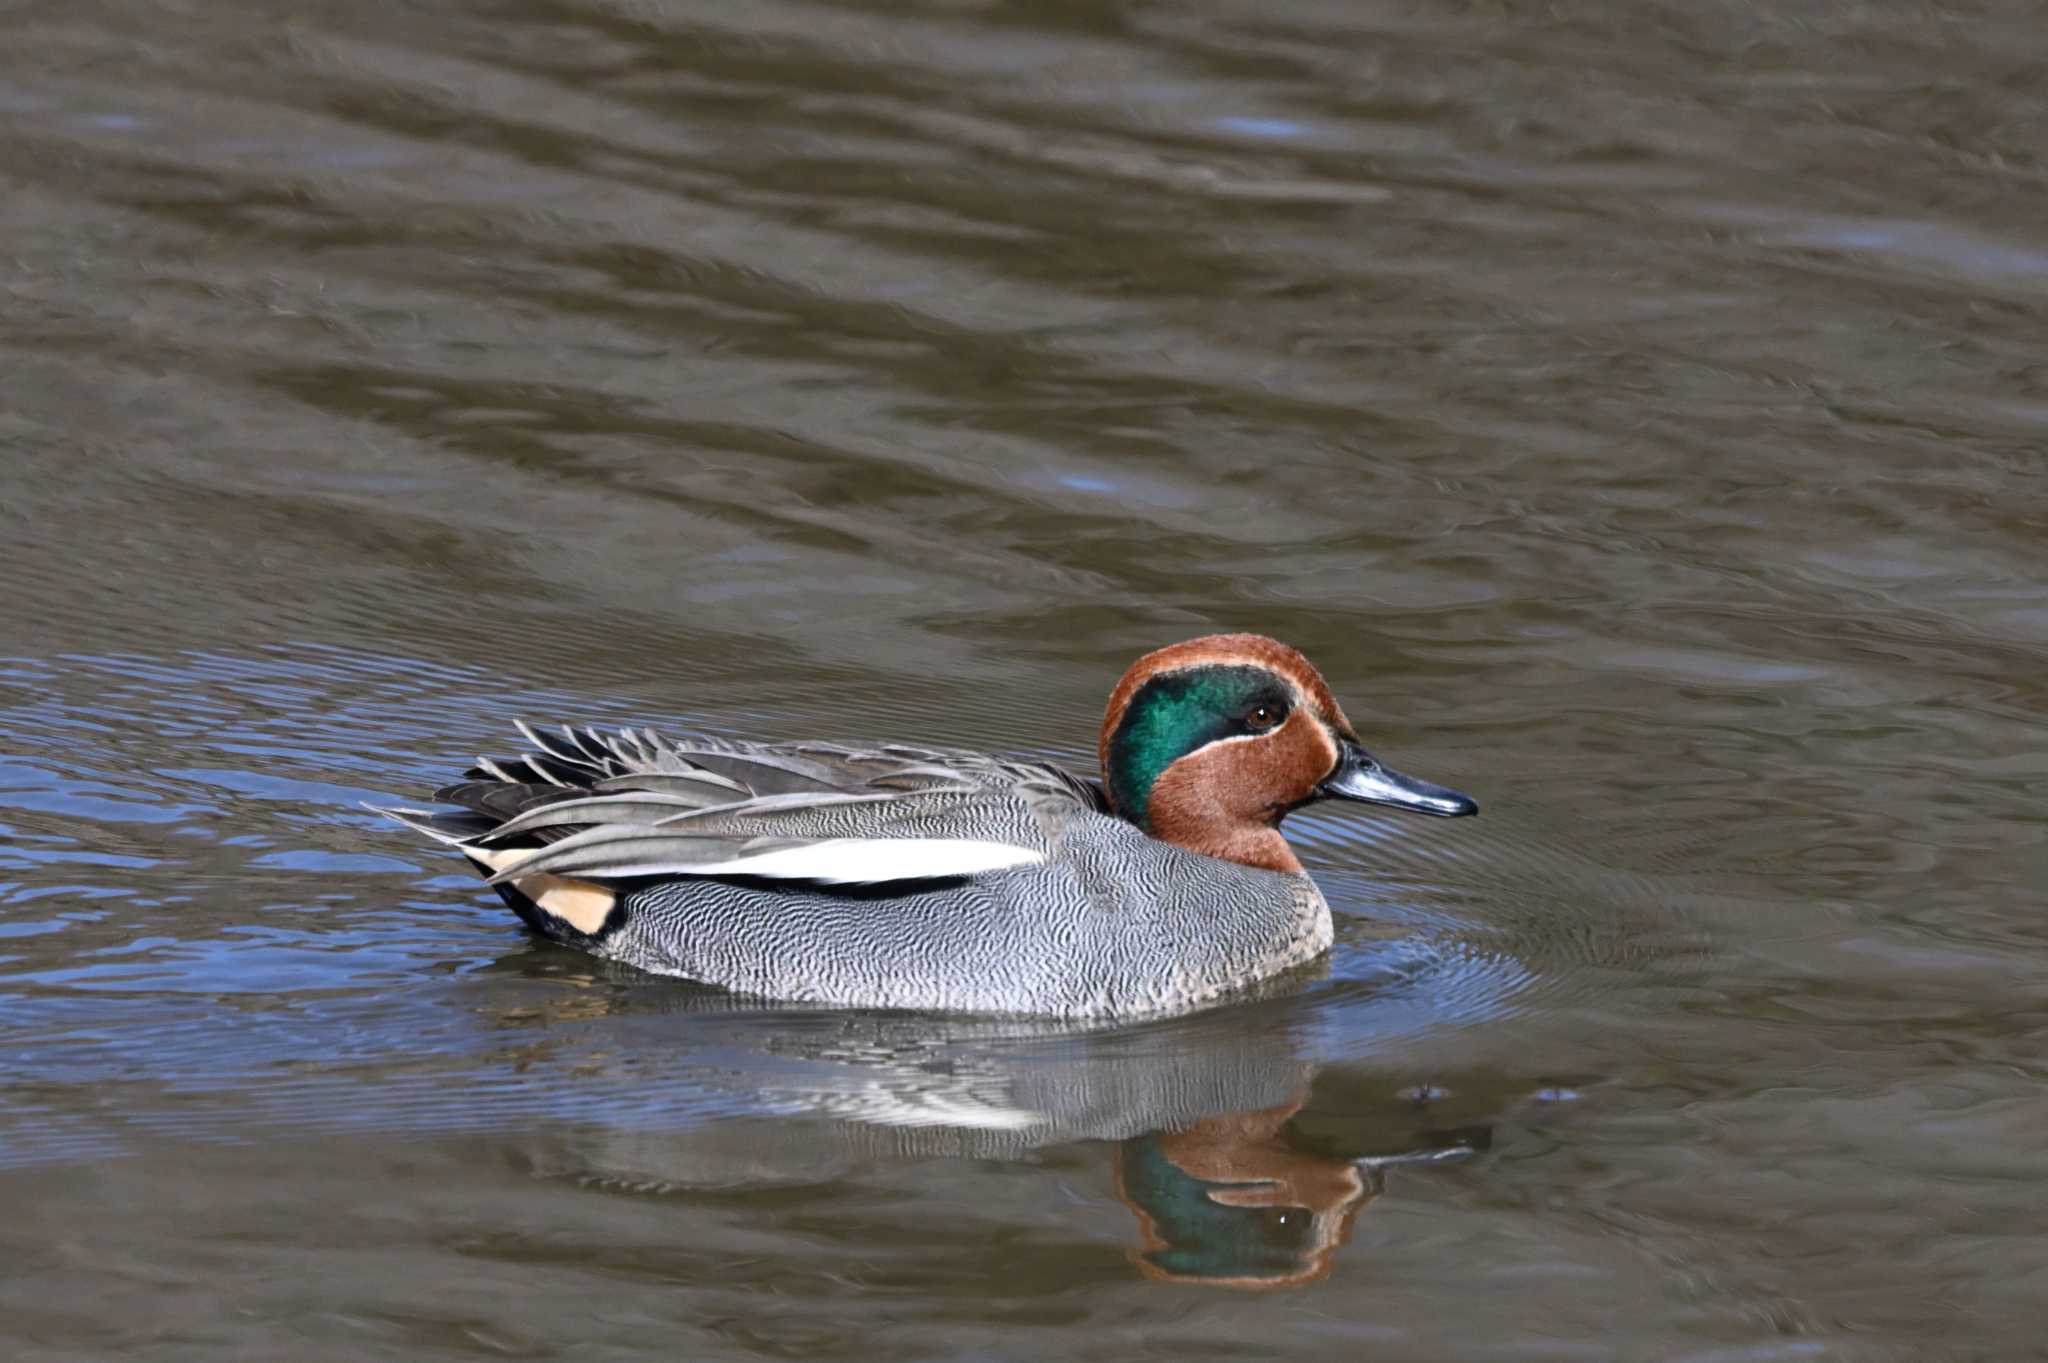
column 632, row 804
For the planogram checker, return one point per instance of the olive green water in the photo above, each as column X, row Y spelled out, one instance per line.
column 1637, row 412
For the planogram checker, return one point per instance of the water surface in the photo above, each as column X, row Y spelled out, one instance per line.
column 1637, row 415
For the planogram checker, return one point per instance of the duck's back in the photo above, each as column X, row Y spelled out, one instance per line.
column 970, row 882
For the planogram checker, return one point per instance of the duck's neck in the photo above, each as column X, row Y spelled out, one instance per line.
column 1245, row 844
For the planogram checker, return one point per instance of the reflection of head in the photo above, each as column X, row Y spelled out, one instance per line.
column 1229, row 1202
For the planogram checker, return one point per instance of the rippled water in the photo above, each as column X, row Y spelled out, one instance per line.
column 1637, row 414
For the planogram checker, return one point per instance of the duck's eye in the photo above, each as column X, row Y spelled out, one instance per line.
column 1263, row 716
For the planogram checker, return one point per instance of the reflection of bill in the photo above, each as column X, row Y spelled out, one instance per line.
column 1233, row 1201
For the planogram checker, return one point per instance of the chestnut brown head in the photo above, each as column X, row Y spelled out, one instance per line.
column 1208, row 744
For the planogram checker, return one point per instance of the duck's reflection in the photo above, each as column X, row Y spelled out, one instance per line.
column 1236, row 1200
column 1203, row 1115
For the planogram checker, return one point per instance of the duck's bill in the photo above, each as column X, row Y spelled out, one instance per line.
column 1363, row 777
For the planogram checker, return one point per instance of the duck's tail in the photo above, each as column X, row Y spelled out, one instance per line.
column 578, row 912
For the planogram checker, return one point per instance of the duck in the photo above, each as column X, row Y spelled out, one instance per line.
column 893, row 876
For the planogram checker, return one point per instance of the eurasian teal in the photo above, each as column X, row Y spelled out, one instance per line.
column 923, row 878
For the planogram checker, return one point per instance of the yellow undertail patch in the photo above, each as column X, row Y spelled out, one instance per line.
column 584, row 905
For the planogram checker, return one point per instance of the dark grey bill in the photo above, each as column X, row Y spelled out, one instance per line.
column 1361, row 776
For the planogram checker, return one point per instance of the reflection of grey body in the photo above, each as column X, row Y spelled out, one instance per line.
column 863, row 1086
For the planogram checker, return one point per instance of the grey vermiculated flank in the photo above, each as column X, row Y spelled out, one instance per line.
column 1111, row 923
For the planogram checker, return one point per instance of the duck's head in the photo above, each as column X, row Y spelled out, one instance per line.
column 1208, row 744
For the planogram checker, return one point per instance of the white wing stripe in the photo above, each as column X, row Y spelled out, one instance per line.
column 874, row 860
